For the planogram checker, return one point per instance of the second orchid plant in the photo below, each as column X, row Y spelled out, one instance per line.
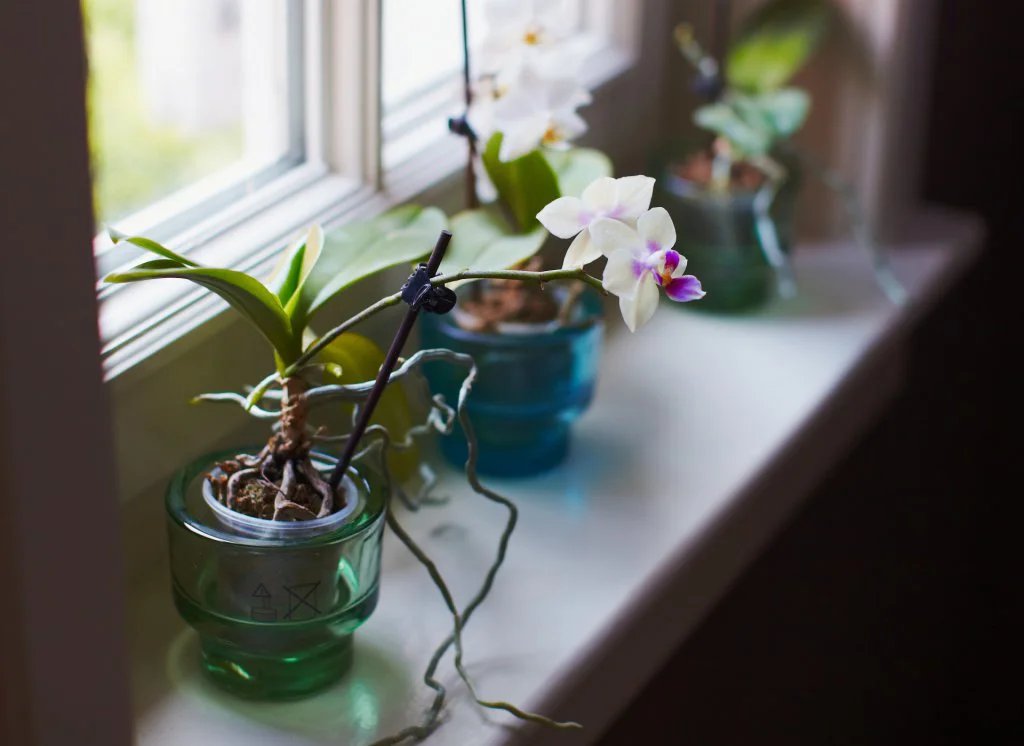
column 520, row 123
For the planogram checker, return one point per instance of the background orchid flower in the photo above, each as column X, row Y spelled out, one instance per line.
column 523, row 32
column 642, row 260
column 535, row 112
column 623, row 199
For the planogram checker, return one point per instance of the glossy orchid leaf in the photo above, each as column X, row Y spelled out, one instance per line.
column 482, row 239
column 525, row 184
column 725, row 121
column 577, row 168
column 150, row 245
column 296, row 263
column 245, row 294
column 774, row 42
column 358, row 250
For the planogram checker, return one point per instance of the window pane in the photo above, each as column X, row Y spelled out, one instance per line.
column 423, row 44
column 187, row 100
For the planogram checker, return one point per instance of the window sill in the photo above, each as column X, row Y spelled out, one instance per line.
column 646, row 548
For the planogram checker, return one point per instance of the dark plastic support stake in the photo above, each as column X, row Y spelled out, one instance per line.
column 391, row 359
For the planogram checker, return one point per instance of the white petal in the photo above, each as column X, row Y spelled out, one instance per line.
column 638, row 306
column 633, row 196
column 560, row 93
column 520, row 138
column 599, row 195
column 642, row 305
column 656, row 227
column 610, row 236
column 620, row 274
column 517, row 103
column 627, row 306
column 581, row 252
column 569, row 123
column 564, row 217
column 485, row 189
column 680, row 269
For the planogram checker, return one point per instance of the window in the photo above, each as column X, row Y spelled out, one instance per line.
column 192, row 105
column 224, row 127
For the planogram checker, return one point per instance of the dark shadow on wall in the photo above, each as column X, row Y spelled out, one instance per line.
column 884, row 614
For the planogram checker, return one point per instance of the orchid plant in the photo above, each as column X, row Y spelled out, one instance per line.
column 281, row 482
column 753, row 113
column 752, row 110
column 522, row 111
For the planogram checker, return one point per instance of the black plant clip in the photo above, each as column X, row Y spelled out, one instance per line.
column 421, row 295
column 460, row 126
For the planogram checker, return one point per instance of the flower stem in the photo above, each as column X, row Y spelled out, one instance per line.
column 467, row 92
column 551, row 275
column 523, row 275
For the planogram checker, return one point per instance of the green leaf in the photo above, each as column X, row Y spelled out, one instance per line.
column 483, row 240
column 774, row 42
column 576, row 168
column 296, row 263
column 150, row 245
column 785, row 110
column 753, row 124
column 723, row 119
column 526, row 184
column 245, row 294
column 285, row 278
column 154, row 264
column 361, row 249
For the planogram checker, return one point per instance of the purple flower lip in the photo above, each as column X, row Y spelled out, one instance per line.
column 684, row 289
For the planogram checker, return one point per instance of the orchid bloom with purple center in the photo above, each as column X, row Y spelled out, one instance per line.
column 642, row 260
column 623, row 200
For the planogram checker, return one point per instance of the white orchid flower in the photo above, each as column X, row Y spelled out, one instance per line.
column 524, row 32
column 642, row 260
column 534, row 112
column 624, row 199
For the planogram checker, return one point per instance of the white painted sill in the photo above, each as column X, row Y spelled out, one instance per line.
column 706, row 434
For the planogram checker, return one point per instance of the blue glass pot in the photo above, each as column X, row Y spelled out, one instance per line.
column 275, row 603
column 534, row 381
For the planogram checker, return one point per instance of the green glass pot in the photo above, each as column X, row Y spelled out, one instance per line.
column 275, row 603
column 718, row 234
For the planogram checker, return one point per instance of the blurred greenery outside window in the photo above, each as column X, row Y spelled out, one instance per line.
column 186, row 100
